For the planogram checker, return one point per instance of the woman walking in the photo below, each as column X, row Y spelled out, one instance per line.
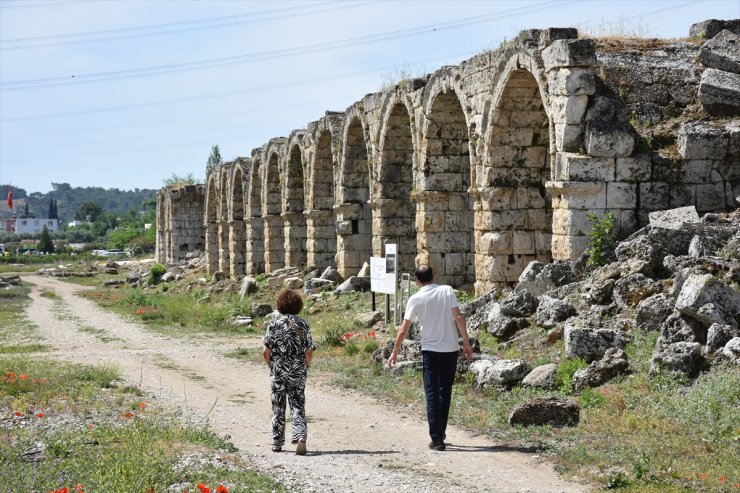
column 288, row 347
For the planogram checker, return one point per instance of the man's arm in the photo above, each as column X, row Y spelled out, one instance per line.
column 403, row 331
column 267, row 354
column 460, row 324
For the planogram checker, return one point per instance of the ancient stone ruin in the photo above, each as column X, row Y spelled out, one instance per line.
column 481, row 168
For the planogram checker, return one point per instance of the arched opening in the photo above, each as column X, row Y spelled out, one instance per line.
column 445, row 223
column 273, row 222
column 223, row 228
column 514, row 226
column 394, row 211
column 354, row 218
column 321, row 225
column 237, row 229
column 211, row 215
column 255, row 236
column 295, row 221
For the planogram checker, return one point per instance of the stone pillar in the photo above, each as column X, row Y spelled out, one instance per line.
column 294, row 239
column 255, row 247
column 223, row 248
column 274, row 243
column 392, row 223
column 321, row 243
column 237, row 243
column 212, row 248
column 354, row 240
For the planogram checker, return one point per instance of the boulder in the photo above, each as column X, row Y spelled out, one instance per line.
column 731, row 351
column 367, row 320
column 546, row 411
column 711, row 27
column 249, row 285
column 722, row 52
column 614, row 362
column 653, row 311
column 538, row 278
column 719, row 335
column 632, row 289
column 332, row 274
column 489, row 373
column 402, row 367
column 504, row 326
column 551, row 311
column 708, row 300
column 365, row 271
column 598, row 288
column 679, row 357
column 261, row 309
column 317, row 284
column 592, row 344
column 719, row 91
column 219, row 276
column 519, row 304
column 543, row 377
column 354, row 283
column 673, row 219
column 293, row 283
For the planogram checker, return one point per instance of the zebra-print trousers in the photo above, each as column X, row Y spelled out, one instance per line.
column 293, row 387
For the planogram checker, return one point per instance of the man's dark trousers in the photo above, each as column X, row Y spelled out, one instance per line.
column 439, row 375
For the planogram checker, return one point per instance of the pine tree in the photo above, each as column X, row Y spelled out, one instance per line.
column 51, row 209
column 45, row 244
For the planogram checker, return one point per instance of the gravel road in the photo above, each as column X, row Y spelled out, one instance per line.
column 356, row 444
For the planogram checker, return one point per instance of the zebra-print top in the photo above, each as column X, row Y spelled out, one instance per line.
column 287, row 348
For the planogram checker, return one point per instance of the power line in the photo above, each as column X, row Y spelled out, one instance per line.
column 174, row 27
column 28, row 5
column 272, row 54
column 217, row 95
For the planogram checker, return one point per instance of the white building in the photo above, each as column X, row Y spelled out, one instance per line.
column 35, row 226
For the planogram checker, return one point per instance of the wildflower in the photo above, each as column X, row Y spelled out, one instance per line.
column 24, row 377
column 128, row 415
column 80, row 488
column 722, row 479
column 703, row 476
column 41, row 415
column 43, row 380
column 142, row 405
column 10, row 375
column 222, row 489
column 203, row 488
column 35, row 380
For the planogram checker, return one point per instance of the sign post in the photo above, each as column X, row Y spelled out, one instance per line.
column 391, row 276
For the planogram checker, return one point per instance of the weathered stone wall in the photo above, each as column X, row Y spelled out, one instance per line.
column 480, row 168
column 179, row 222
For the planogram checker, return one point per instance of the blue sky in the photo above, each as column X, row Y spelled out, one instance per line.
column 124, row 93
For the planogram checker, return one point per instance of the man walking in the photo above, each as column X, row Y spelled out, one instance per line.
column 440, row 319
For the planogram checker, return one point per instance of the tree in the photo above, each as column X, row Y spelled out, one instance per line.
column 89, row 211
column 213, row 160
column 45, row 244
column 188, row 179
column 53, row 214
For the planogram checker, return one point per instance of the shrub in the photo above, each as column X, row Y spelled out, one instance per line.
column 156, row 272
column 601, row 239
column 566, row 370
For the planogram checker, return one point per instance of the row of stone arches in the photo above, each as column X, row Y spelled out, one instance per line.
column 403, row 167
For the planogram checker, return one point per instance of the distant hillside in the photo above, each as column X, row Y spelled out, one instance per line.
column 69, row 199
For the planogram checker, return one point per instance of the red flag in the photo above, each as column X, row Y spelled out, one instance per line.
column 10, row 197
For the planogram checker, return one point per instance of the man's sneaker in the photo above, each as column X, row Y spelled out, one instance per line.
column 301, row 448
column 438, row 445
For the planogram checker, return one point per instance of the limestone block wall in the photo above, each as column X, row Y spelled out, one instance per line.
column 179, row 222
column 482, row 167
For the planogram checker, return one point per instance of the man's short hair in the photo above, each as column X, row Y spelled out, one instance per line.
column 424, row 273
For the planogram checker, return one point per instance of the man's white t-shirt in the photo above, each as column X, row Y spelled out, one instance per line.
column 433, row 305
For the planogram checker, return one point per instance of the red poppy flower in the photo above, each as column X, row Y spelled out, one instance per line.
column 10, row 374
column 40, row 415
column 222, row 489
column 722, row 479
column 128, row 415
column 142, row 405
column 703, row 477
column 35, row 380
column 24, row 377
column 43, row 380
column 203, row 488
column 18, row 414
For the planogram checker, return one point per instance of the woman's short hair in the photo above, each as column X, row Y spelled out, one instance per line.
column 289, row 302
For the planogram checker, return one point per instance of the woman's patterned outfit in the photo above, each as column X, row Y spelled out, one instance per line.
column 288, row 374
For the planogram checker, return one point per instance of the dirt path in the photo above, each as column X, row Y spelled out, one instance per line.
column 356, row 444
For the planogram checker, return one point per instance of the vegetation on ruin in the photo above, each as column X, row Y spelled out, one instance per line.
column 636, row 433
column 76, row 426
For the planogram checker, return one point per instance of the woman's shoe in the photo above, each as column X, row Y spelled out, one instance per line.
column 277, row 448
column 301, row 448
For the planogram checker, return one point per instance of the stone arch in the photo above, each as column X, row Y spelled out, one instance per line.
column 514, row 210
column 237, row 227
column 444, row 206
column 394, row 214
column 271, row 214
column 255, row 232
column 211, row 224
column 223, row 224
column 321, row 243
column 353, row 213
column 293, row 206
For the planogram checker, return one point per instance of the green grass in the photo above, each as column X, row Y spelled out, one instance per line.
column 636, row 434
column 104, row 436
